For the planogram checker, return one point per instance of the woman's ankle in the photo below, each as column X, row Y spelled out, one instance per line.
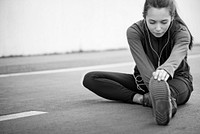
column 138, row 98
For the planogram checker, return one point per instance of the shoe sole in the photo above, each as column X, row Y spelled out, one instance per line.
column 160, row 96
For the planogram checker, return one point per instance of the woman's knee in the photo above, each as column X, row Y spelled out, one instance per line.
column 88, row 79
column 180, row 90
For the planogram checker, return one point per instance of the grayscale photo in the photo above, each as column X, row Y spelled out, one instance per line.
column 99, row 67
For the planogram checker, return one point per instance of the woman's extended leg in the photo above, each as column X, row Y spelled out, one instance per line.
column 166, row 95
column 180, row 89
column 112, row 86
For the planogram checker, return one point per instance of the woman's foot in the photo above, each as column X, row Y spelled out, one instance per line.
column 138, row 98
column 146, row 100
column 164, row 107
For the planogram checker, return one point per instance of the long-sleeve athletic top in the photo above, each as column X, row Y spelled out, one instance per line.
column 168, row 52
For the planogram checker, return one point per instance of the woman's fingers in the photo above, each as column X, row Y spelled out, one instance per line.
column 167, row 77
column 161, row 75
column 155, row 75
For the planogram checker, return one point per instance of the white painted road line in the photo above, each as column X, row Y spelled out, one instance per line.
column 20, row 115
column 80, row 68
column 69, row 69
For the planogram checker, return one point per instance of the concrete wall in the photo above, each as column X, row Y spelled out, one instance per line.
column 30, row 27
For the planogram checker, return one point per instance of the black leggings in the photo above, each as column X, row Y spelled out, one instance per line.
column 122, row 87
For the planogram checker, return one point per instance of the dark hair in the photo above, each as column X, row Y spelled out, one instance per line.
column 172, row 10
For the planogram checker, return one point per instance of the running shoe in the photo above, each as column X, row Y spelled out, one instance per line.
column 146, row 100
column 162, row 103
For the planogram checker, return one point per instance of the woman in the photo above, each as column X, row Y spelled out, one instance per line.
column 159, row 44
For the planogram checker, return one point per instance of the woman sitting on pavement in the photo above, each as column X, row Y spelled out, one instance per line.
column 159, row 45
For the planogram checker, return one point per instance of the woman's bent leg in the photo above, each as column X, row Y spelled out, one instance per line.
column 111, row 85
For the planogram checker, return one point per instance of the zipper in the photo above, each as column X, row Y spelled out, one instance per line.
column 159, row 56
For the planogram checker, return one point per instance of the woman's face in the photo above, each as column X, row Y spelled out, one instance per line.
column 158, row 20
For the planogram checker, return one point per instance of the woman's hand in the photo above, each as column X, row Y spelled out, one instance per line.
column 161, row 75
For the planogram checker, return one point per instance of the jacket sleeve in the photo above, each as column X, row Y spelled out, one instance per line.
column 143, row 63
column 179, row 51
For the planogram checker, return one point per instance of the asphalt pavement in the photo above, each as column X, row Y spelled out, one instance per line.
column 69, row 108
